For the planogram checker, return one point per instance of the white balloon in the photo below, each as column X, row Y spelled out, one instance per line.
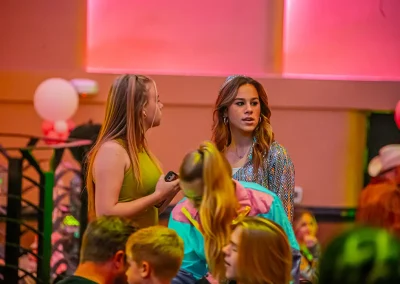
column 60, row 126
column 56, row 99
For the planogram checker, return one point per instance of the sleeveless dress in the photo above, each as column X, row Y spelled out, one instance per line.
column 131, row 190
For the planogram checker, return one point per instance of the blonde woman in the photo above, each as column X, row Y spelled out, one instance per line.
column 124, row 178
column 258, row 252
column 306, row 228
column 242, row 131
column 214, row 203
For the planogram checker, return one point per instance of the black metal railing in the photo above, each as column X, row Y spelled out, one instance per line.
column 11, row 271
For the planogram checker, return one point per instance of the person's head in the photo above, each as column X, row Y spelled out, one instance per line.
column 205, row 179
column 258, row 252
column 304, row 224
column 103, row 244
column 133, row 106
column 242, row 107
column 386, row 166
column 154, row 253
column 361, row 255
column 379, row 206
column 392, row 175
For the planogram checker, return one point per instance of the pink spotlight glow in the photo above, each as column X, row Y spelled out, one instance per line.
column 342, row 39
column 177, row 37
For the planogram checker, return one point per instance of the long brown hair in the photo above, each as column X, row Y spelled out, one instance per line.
column 263, row 133
column 219, row 203
column 264, row 253
column 123, row 120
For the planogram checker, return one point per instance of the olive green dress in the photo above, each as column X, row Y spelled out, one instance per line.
column 130, row 189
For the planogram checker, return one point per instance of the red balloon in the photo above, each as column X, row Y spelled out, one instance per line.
column 49, row 131
column 63, row 136
column 47, row 126
column 51, row 134
column 397, row 114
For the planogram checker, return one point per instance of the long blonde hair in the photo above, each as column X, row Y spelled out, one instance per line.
column 221, row 134
column 264, row 253
column 219, row 203
column 123, row 120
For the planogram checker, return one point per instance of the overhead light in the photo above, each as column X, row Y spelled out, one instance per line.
column 85, row 87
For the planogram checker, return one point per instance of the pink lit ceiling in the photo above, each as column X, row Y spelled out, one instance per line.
column 321, row 38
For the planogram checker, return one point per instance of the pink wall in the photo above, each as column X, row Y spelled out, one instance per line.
column 320, row 122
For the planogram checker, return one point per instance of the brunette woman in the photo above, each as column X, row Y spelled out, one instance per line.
column 242, row 131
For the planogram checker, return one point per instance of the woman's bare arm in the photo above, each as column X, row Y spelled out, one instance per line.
column 168, row 200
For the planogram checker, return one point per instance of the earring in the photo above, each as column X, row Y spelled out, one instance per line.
column 225, row 120
column 144, row 114
column 260, row 119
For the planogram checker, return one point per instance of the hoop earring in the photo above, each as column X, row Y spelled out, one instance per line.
column 225, row 120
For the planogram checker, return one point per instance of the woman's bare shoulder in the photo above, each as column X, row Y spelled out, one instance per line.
column 111, row 150
column 112, row 145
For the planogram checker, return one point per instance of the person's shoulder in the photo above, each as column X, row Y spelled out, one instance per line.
column 278, row 156
column 111, row 150
column 181, row 209
column 259, row 197
column 112, row 145
column 278, row 149
column 76, row 280
column 251, row 186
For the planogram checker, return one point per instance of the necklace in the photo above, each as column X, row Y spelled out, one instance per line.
column 241, row 156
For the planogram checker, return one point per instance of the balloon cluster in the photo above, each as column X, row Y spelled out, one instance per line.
column 57, row 130
column 56, row 101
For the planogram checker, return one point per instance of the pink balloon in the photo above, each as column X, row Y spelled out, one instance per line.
column 56, row 99
column 61, row 126
column 397, row 114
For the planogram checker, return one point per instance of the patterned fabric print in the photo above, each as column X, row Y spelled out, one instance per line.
column 276, row 174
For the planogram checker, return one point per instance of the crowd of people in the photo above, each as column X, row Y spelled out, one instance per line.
column 237, row 222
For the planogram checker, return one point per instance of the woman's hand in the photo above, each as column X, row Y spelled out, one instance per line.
column 164, row 189
column 310, row 241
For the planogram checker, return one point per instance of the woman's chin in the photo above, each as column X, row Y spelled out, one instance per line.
column 156, row 123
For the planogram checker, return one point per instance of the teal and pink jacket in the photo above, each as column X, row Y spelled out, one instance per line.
column 254, row 200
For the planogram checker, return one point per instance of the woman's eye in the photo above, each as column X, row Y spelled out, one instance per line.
column 254, row 103
column 239, row 103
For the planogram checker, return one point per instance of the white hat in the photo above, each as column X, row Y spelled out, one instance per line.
column 389, row 157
